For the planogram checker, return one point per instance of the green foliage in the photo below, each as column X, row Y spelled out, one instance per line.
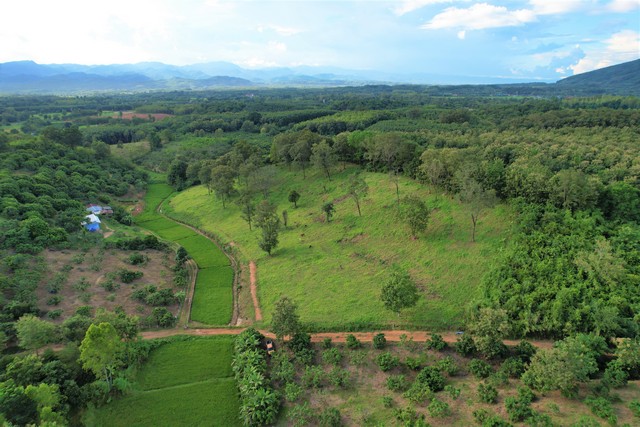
column 447, row 364
column 439, row 409
column 489, row 327
column 634, row 406
column 292, row 391
column 328, row 209
column 128, row 276
column 285, row 320
column 431, row 378
column 398, row 383
column 387, row 361
column 465, row 346
column 487, row 393
column 330, row 417
column 614, row 376
column 33, row 333
column 399, row 292
column 332, row 356
column 138, row 259
column 281, row 367
column 513, row 367
column 602, row 408
column 294, row 196
column 453, row 392
column 300, row 415
column 415, row 214
column 480, row 369
column 436, row 342
column 339, row 377
column 414, row 363
column 379, row 341
column 353, row 343
column 312, row 377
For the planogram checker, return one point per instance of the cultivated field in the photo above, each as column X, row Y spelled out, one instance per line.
column 186, row 382
column 334, row 271
column 213, row 299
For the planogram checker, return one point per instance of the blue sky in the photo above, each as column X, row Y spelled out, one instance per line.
column 525, row 39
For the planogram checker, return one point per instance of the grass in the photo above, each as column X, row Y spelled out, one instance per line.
column 130, row 150
column 184, row 383
column 335, row 271
column 213, row 299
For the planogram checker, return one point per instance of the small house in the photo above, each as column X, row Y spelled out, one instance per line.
column 92, row 223
column 106, row 210
column 94, row 209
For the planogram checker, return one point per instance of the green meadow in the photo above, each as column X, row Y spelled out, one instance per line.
column 185, row 382
column 334, row 271
column 213, row 299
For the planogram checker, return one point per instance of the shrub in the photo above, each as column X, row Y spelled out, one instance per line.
column 281, row 367
column 357, row 358
column 414, row 363
column 513, row 367
column 300, row 415
column 526, row 394
column 330, row 417
column 480, row 416
column 339, row 377
column 332, row 356
column 436, row 343
column 525, row 351
column 54, row 300
column 487, row 393
column 519, row 408
column 418, row 393
column 480, row 368
column 432, row 378
column 387, row 401
column 448, row 365
column 137, row 259
column 614, row 376
column 327, row 343
column 379, row 341
column 292, row 391
column 84, row 310
column 634, row 406
column 353, row 342
column 312, row 377
column 163, row 317
column 439, row 409
column 109, row 285
column 465, row 346
column 408, row 416
column 454, row 392
column 54, row 314
column 386, row 361
column 602, row 408
column 128, row 276
column 397, row 383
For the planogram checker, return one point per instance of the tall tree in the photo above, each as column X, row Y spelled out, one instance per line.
column 357, row 189
column 300, row 153
column 323, row 157
column 247, row 206
column 489, row 327
column 100, row 351
column 285, row 320
column 222, row 180
column 415, row 214
column 269, row 237
column 477, row 199
column 399, row 292
column 328, row 209
column 33, row 333
column 294, row 196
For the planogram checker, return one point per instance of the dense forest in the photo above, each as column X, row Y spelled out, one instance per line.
column 568, row 167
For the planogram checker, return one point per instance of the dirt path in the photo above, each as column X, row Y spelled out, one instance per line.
column 253, row 271
column 392, row 336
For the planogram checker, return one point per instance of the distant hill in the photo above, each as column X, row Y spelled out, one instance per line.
column 621, row 79
column 29, row 77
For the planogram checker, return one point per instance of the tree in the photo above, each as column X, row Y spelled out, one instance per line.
column 15, row 405
column 399, row 292
column 269, row 237
column 177, row 175
column 294, row 196
column 100, row 351
column 247, row 207
column 323, row 157
column 265, row 211
column 477, row 199
column 415, row 214
column 222, row 180
column 357, row 189
column 285, row 320
column 328, row 210
column 300, row 152
column 489, row 326
column 33, row 333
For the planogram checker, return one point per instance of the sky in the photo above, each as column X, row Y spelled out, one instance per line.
column 522, row 39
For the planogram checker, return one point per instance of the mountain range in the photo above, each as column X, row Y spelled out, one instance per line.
column 22, row 77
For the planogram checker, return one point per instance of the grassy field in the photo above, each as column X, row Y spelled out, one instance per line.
column 184, row 383
column 213, row 299
column 335, row 271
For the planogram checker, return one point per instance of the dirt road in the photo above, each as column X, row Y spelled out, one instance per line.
column 392, row 336
column 253, row 274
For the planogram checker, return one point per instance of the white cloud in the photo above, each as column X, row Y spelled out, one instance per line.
column 283, row 31
column 277, row 46
column 407, row 6
column 480, row 16
column 620, row 47
column 623, row 6
column 556, row 7
column 462, row 34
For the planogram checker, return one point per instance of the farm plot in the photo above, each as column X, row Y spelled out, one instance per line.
column 213, row 299
column 186, row 382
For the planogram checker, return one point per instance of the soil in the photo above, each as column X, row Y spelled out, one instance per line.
column 254, row 290
column 338, row 337
column 91, row 268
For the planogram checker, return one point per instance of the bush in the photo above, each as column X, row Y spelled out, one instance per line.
column 332, row 356
column 128, row 276
column 525, row 351
column 418, row 393
column 465, row 346
column 330, row 417
column 281, row 367
column 312, row 377
column 54, row 300
column 480, row 368
column 480, row 416
column 513, row 367
column 436, row 343
column 439, row 409
column 379, row 341
column 487, row 393
column 409, row 417
column 397, row 383
column 339, row 377
column 634, row 406
column 387, row 401
column 137, row 259
column 84, row 310
column 54, row 314
column 353, row 342
column 519, row 408
column 163, row 317
column 432, row 378
column 386, row 361
column 448, row 365
column 292, row 391
column 454, row 392
column 413, row 363
column 614, row 376
column 327, row 343
column 300, row 415
column 602, row 408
